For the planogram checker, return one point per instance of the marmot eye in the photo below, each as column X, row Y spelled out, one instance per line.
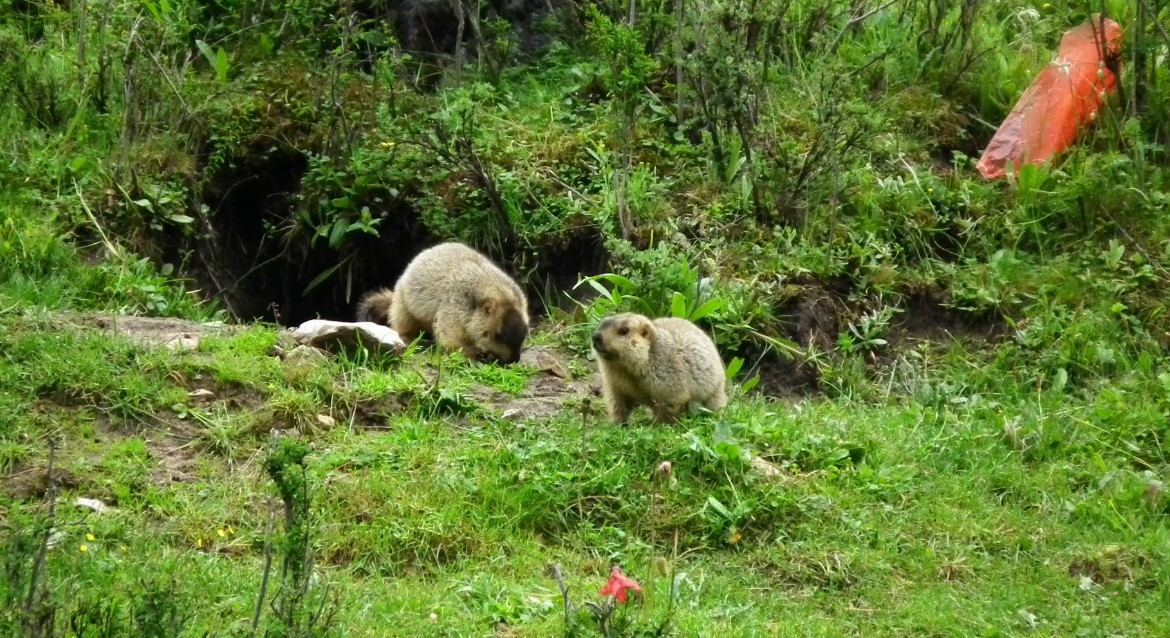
column 623, row 331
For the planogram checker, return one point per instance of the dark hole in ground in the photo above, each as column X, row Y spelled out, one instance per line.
column 558, row 268
column 260, row 277
column 815, row 318
column 811, row 321
column 927, row 316
column 246, row 262
column 240, row 261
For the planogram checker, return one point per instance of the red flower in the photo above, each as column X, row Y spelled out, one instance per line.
column 618, row 585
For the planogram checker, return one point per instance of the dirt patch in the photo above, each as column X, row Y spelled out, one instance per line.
column 33, row 483
column 812, row 320
column 175, row 334
column 1112, row 564
column 928, row 317
column 233, row 395
column 373, row 414
column 171, row 442
column 547, row 392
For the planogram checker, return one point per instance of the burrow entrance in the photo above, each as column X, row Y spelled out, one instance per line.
column 259, row 276
column 261, row 267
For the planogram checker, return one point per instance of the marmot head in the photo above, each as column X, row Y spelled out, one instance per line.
column 626, row 338
column 501, row 331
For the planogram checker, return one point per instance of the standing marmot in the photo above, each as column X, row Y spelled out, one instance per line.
column 665, row 363
column 459, row 296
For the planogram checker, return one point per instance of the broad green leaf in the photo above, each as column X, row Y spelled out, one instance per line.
column 713, row 305
column 338, row 234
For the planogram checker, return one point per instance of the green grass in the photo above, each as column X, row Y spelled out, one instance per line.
column 981, row 453
column 960, row 511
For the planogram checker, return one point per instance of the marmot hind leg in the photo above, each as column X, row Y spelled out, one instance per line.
column 405, row 324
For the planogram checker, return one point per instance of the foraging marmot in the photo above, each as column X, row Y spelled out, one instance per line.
column 665, row 364
column 459, row 296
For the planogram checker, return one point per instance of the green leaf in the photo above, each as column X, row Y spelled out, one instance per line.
column 207, row 52
column 320, row 279
column 734, row 367
column 713, row 305
column 181, row 219
column 714, row 504
column 678, row 306
column 1060, row 381
column 340, row 203
column 601, row 290
column 221, row 64
column 338, row 234
column 617, row 280
column 749, row 384
column 145, row 203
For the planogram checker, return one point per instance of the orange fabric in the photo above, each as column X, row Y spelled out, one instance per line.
column 1062, row 98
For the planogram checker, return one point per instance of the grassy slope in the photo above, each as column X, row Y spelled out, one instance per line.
column 947, row 528
column 1002, row 491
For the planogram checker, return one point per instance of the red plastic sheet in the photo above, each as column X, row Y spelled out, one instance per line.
column 1063, row 98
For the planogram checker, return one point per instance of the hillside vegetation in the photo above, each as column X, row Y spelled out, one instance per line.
column 950, row 396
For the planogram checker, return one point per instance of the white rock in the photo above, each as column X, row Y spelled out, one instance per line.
column 326, row 334
column 201, row 395
column 182, row 342
column 91, row 503
column 766, row 469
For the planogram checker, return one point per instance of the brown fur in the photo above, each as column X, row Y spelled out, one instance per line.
column 459, row 296
column 375, row 306
column 664, row 363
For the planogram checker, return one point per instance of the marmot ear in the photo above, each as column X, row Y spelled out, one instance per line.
column 646, row 331
column 489, row 306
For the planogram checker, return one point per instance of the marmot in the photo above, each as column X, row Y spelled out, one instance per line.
column 459, row 296
column 665, row 364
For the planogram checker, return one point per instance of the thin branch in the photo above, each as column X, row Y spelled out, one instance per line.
column 854, row 21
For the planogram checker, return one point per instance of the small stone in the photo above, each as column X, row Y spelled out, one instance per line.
column 276, row 351
column 543, row 360
column 54, row 538
column 512, row 414
column 326, row 421
column 183, row 342
column 766, row 469
column 91, row 503
column 201, row 394
column 305, row 355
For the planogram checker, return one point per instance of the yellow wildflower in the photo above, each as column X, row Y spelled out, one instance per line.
column 89, row 537
column 85, row 548
column 199, row 543
column 221, row 533
column 231, row 530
